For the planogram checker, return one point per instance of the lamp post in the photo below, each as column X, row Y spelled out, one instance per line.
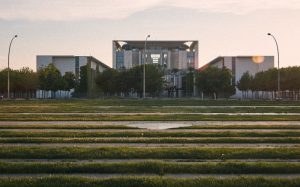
column 8, row 81
column 278, row 75
column 144, row 70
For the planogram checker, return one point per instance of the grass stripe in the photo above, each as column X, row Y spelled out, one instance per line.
column 19, row 152
column 150, row 167
column 7, row 133
column 150, row 140
column 63, row 181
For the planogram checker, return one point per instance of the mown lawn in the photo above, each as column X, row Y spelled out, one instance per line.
column 62, row 181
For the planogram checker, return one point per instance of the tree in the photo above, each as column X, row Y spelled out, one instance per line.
column 126, row 81
column 215, row 81
column 23, row 82
column 69, row 81
column 81, row 89
column 107, row 81
column 244, row 83
column 50, row 79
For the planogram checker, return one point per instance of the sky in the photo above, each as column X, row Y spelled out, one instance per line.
column 87, row 27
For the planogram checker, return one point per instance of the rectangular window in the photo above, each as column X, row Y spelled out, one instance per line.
column 119, row 59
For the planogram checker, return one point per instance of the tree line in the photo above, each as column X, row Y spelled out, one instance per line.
column 212, row 82
column 24, row 82
column 130, row 81
column 265, row 84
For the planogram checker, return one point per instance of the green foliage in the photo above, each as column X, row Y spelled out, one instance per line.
column 244, row 83
column 214, row 80
column 108, row 81
column 82, row 87
column 267, row 80
column 23, row 82
column 114, row 82
column 69, row 81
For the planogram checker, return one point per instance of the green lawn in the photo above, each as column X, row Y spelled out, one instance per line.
column 19, row 152
column 62, row 181
column 151, row 167
column 147, row 133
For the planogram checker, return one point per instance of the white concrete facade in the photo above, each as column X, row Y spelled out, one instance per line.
column 67, row 63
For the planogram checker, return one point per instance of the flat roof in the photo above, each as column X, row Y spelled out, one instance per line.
column 158, row 43
column 217, row 59
column 73, row 56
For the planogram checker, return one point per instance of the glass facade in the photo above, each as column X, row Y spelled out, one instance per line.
column 120, row 59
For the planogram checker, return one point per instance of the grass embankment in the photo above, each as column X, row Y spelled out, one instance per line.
column 64, row 181
column 16, row 152
column 252, row 127
column 145, row 117
column 7, row 108
column 148, row 109
column 67, row 126
column 116, row 126
column 150, row 167
column 146, row 133
column 235, row 140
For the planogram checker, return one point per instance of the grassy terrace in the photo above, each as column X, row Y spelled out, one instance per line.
column 151, row 105
column 78, row 127
column 151, row 167
column 148, row 182
column 19, row 152
column 142, row 117
column 116, row 126
column 145, row 133
column 236, row 140
column 231, row 159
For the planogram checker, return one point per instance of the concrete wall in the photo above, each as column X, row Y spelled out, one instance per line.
column 128, row 59
column 64, row 64
column 43, row 61
column 244, row 64
column 183, row 60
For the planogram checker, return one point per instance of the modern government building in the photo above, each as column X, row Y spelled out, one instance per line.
column 176, row 57
column 169, row 54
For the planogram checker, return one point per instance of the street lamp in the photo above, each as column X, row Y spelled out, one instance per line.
column 8, row 88
column 278, row 71
column 144, row 78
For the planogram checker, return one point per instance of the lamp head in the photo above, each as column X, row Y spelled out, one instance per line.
column 148, row 36
column 269, row 34
column 16, row 36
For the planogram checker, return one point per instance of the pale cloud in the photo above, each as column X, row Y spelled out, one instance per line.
column 236, row 6
column 61, row 10
column 68, row 10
